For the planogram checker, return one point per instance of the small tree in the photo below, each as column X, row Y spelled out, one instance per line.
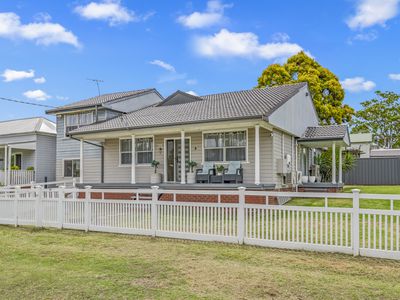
column 324, row 160
column 192, row 164
column 155, row 165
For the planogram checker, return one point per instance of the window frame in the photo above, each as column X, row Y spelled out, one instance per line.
column 224, row 161
column 14, row 156
column 136, row 137
column 78, row 113
column 63, row 167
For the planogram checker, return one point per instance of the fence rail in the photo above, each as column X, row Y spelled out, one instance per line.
column 231, row 217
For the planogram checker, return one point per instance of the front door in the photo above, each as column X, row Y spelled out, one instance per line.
column 174, row 159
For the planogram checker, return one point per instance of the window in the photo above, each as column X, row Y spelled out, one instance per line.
column 225, row 146
column 72, row 168
column 76, row 120
column 144, row 151
column 16, row 160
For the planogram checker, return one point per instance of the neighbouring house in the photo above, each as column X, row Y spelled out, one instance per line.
column 27, row 151
column 273, row 132
column 95, row 110
column 362, row 144
column 385, row 153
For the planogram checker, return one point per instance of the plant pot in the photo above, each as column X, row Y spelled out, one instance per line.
column 155, row 178
column 304, row 179
column 191, row 177
column 219, row 173
column 312, row 179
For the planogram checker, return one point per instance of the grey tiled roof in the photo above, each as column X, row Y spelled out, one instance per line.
column 325, row 132
column 98, row 100
column 248, row 104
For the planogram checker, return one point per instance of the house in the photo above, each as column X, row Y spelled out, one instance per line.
column 362, row 143
column 375, row 153
column 95, row 110
column 27, row 151
column 273, row 132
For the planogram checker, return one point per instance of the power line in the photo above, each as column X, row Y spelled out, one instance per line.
column 27, row 103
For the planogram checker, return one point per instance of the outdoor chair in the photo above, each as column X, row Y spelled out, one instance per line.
column 234, row 173
column 204, row 174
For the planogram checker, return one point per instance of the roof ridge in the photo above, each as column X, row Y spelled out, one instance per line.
column 255, row 89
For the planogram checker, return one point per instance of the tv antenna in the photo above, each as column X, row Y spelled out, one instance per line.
column 97, row 83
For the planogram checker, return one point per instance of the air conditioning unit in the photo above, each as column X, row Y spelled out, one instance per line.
column 284, row 165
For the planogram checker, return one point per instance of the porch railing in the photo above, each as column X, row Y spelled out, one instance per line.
column 237, row 216
column 18, row 177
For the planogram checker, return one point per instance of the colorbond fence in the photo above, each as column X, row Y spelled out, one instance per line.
column 351, row 230
column 374, row 171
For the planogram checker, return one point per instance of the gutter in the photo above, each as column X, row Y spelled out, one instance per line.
column 261, row 117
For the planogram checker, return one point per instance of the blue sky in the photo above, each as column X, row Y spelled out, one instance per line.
column 49, row 48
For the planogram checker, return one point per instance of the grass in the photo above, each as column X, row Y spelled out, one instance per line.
column 364, row 203
column 54, row 264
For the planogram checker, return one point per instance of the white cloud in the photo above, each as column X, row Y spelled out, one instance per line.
column 63, row 98
column 213, row 15
column 192, row 93
column 373, row 12
column 108, row 10
column 12, row 75
column 280, row 37
column 163, row 65
column 191, row 81
column 357, row 84
column 394, row 76
column 38, row 95
column 43, row 33
column 39, row 80
column 242, row 44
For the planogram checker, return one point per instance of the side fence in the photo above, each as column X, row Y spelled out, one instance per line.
column 374, row 171
column 231, row 218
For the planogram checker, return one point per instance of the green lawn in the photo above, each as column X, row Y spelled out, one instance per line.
column 373, row 204
column 53, row 264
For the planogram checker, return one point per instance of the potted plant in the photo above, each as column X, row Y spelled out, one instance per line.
column 191, row 176
column 220, row 169
column 155, row 177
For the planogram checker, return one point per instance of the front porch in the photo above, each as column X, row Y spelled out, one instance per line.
column 17, row 164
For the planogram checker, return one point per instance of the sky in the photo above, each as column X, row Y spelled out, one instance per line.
column 49, row 49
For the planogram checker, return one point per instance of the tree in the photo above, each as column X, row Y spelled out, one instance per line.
column 324, row 160
column 381, row 117
column 324, row 86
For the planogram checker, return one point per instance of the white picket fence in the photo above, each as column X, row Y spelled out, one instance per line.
column 353, row 230
column 18, row 177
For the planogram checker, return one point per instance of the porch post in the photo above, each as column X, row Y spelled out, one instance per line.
column 257, row 155
column 133, row 162
column 334, row 163
column 183, row 158
column 9, row 154
column 340, row 165
column 5, row 164
column 81, row 162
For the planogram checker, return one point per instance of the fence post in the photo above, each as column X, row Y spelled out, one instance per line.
column 74, row 182
column 60, row 207
column 87, row 207
column 154, row 199
column 356, row 222
column 17, row 195
column 240, row 223
column 39, row 198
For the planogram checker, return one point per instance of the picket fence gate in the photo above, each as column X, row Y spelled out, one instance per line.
column 366, row 232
